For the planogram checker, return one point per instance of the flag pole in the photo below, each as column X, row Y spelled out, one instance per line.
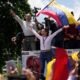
column 50, row 2
column 44, row 7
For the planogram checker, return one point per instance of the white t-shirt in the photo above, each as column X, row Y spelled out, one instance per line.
column 45, row 42
column 25, row 25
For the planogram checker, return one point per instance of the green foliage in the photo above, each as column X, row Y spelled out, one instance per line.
column 8, row 26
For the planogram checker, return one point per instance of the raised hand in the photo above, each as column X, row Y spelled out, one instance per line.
column 29, row 74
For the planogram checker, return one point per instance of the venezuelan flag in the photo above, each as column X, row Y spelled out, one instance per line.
column 50, row 13
column 68, row 14
column 61, row 14
column 49, row 69
column 60, row 69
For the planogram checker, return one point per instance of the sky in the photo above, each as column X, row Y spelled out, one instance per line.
column 68, row 3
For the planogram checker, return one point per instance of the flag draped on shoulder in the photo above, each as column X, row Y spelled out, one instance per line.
column 60, row 69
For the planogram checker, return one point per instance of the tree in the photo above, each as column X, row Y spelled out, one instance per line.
column 8, row 26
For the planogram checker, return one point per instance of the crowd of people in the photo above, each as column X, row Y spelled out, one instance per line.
column 74, row 70
column 72, row 37
column 47, row 39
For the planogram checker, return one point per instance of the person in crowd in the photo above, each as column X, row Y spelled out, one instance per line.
column 78, row 66
column 50, row 24
column 17, row 41
column 1, row 77
column 33, row 63
column 25, row 24
column 45, row 46
column 12, row 70
column 73, row 71
column 78, row 36
column 38, row 24
column 29, row 74
column 70, row 36
column 39, row 27
column 78, row 40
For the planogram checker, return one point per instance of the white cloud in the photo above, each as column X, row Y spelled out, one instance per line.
column 77, row 9
column 39, row 4
column 36, row 3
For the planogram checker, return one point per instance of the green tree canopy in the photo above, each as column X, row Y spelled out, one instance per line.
column 8, row 26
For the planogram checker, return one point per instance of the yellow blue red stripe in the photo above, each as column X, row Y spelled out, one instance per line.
column 68, row 14
column 60, row 14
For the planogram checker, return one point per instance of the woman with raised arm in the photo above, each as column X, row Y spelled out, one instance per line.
column 45, row 46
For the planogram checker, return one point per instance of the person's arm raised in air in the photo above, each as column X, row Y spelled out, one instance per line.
column 16, row 17
column 35, row 33
column 56, row 32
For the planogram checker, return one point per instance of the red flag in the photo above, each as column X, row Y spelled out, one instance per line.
column 60, row 70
